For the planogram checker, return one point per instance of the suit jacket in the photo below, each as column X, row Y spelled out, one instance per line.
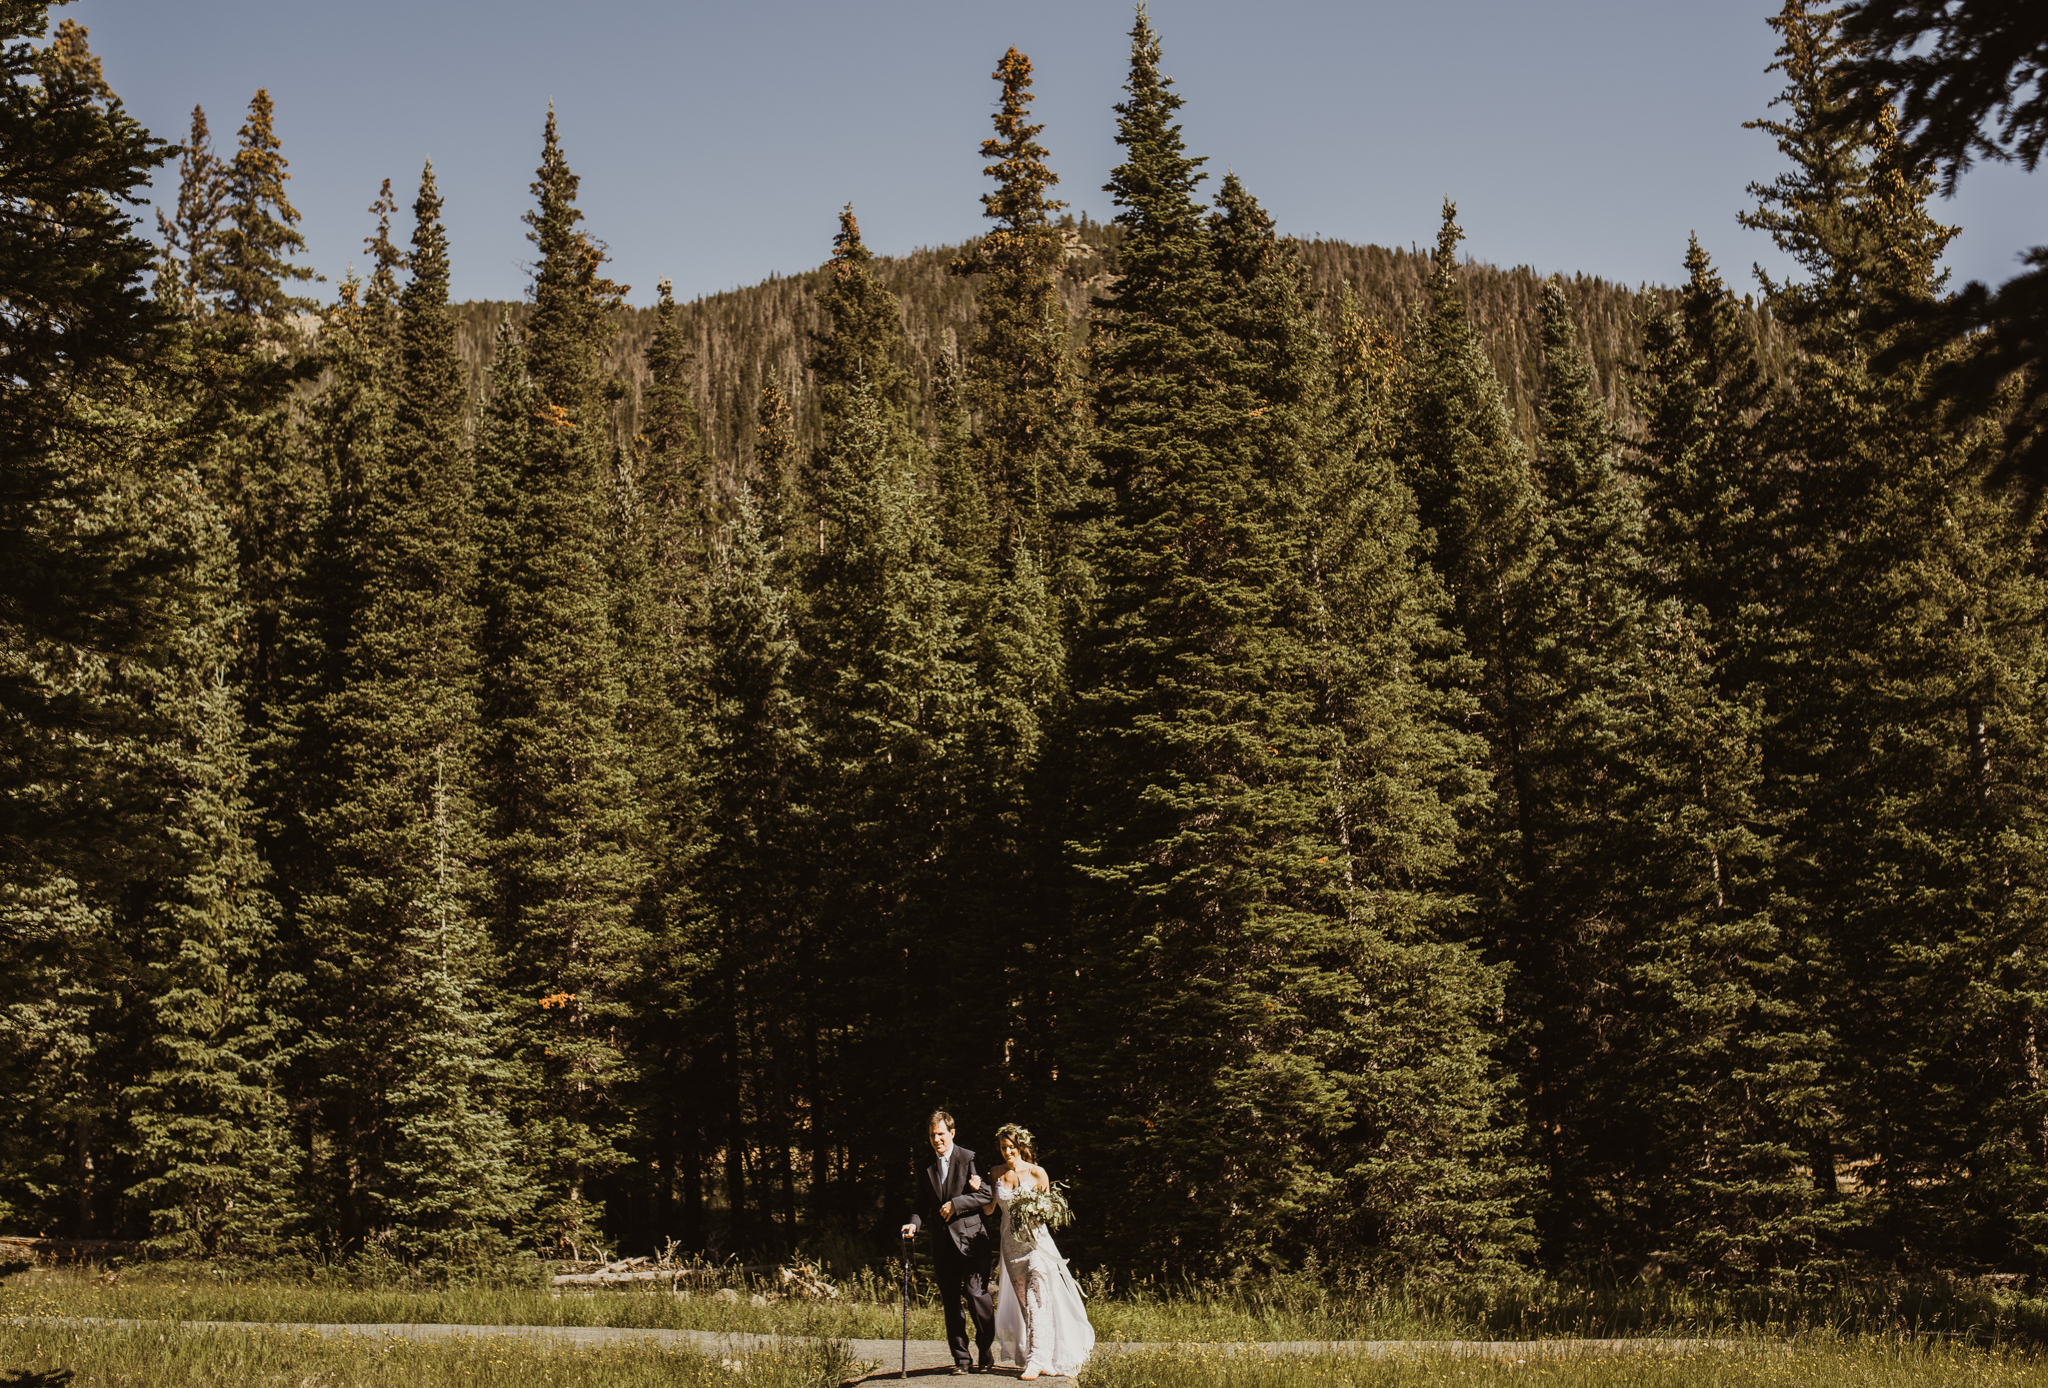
column 966, row 1233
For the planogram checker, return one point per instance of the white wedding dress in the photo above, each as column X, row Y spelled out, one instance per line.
column 1040, row 1321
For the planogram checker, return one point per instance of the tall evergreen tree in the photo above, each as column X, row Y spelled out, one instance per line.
column 1210, row 993
column 864, row 350
column 1700, row 392
column 661, row 540
column 140, row 1038
column 205, row 1117
column 1654, row 899
column 1476, row 496
column 1728, row 1067
column 886, row 697
column 256, row 341
column 759, row 770
column 405, row 1043
column 1967, row 81
column 79, row 327
column 1911, row 618
column 191, row 234
column 562, row 813
column 1022, row 385
column 1423, row 1149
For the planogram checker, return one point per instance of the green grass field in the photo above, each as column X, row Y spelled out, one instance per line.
column 171, row 1356
column 1880, row 1334
column 1298, row 1308
column 1854, row 1365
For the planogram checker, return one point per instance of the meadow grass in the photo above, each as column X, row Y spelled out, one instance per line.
column 1300, row 1307
column 49, row 1355
column 1842, row 1364
column 197, row 1293
column 58, row 1356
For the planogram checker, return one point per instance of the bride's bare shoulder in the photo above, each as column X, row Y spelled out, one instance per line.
column 1038, row 1174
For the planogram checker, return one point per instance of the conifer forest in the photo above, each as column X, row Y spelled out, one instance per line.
column 1378, row 760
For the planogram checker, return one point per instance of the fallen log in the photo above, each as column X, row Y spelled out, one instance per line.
column 627, row 1273
column 806, row 1281
column 620, row 1279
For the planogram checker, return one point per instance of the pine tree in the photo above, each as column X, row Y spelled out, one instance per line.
column 190, row 263
column 452, row 1179
column 1586, row 829
column 311, row 785
column 1475, row 496
column 864, row 349
column 662, row 533
column 1021, row 379
column 1010, row 646
column 1727, row 1071
column 79, row 329
column 1209, row 997
column 261, row 233
column 1901, row 715
column 205, row 1119
column 886, row 697
column 1654, row 899
column 674, row 485
column 1965, row 81
column 1424, row 1149
column 403, row 1045
column 1700, row 392
column 264, row 478
column 759, row 767
column 140, row 1039
column 564, row 821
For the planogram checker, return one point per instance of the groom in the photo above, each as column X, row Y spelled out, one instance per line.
column 963, row 1252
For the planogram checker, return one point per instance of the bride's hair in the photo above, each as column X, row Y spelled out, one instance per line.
column 1026, row 1148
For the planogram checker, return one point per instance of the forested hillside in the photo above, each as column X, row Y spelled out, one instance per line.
column 739, row 336
column 1389, row 766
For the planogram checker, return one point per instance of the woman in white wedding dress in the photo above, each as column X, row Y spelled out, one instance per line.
column 1040, row 1321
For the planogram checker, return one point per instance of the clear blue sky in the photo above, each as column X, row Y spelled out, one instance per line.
column 716, row 141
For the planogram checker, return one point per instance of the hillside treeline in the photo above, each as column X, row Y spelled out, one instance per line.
column 1373, row 759
column 742, row 337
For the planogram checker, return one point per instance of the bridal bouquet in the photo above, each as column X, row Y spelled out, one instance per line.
column 1039, row 1209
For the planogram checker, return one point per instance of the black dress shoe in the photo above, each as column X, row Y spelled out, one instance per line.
column 987, row 1366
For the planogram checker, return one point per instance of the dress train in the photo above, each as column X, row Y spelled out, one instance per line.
column 1045, row 1326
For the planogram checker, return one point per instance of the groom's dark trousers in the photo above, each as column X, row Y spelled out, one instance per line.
column 963, row 1249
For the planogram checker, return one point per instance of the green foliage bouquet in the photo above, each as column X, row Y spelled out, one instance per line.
column 1039, row 1209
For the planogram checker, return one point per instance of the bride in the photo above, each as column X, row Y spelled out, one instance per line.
column 1040, row 1322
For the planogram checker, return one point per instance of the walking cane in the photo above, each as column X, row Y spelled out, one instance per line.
column 904, row 1370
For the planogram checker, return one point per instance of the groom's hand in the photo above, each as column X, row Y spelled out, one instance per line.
column 946, row 1212
column 910, row 1231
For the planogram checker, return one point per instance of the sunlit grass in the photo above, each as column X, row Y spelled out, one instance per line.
column 45, row 1355
column 1866, row 1364
column 56, row 1356
column 197, row 1294
column 1303, row 1307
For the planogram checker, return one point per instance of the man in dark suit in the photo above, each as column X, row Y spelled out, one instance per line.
column 963, row 1250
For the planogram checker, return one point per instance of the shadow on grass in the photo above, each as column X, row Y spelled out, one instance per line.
column 30, row 1378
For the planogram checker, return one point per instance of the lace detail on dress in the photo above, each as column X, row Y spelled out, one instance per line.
column 1033, row 1295
column 1040, row 1320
